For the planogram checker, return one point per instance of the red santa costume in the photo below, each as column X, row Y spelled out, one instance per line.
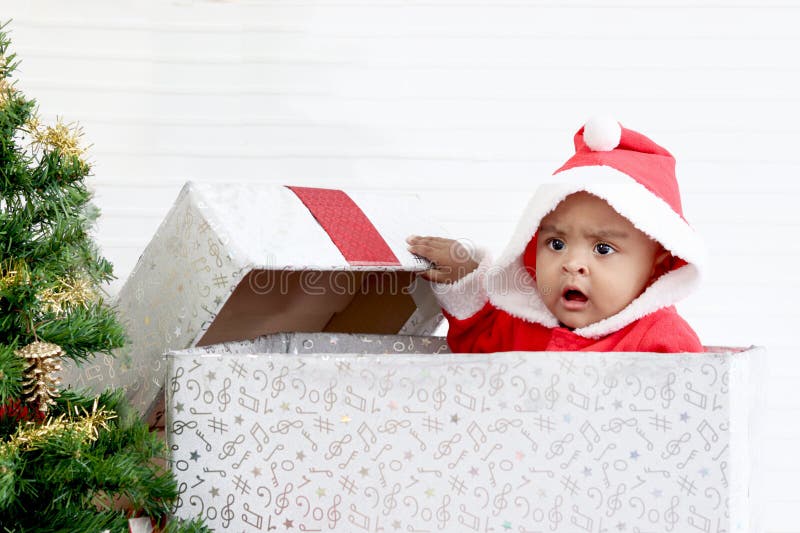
column 498, row 307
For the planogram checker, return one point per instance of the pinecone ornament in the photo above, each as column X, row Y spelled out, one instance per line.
column 40, row 385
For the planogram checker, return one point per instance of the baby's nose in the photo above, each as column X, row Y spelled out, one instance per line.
column 575, row 266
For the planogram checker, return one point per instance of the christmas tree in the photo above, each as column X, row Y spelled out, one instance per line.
column 69, row 461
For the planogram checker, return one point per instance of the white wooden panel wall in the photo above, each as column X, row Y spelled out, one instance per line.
column 469, row 102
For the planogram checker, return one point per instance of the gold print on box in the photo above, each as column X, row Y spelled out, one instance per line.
column 508, row 443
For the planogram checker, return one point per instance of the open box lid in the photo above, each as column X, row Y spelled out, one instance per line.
column 317, row 260
column 234, row 261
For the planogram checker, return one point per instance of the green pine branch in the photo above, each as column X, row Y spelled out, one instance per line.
column 53, row 476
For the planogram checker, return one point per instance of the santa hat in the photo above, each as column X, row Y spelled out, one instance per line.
column 637, row 178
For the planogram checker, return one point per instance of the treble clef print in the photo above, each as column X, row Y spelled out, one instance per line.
column 496, row 380
column 500, row 501
column 174, row 381
column 335, row 447
column 223, row 397
column 674, row 446
column 283, row 426
column 670, row 516
column 614, row 503
column 554, row 515
column 550, row 393
column 443, row 516
column 445, row 447
column 226, row 514
column 439, row 395
column 329, row 396
column 390, row 502
column 277, row 384
column 178, row 426
column 667, row 394
column 282, row 501
column 229, row 448
column 333, row 513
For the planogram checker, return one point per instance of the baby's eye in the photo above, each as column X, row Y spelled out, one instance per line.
column 604, row 249
column 556, row 244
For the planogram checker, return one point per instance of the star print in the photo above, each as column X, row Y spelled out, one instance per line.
column 180, row 288
column 346, row 419
column 408, row 456
column 657, row 493
column 364, row 471
column 454, row 419
column 567, row 419
column 542, row 493
column 211, row 376
column 300, row 456
column 218, row 301
column 179, row 407
column 537, row 371
column 587, row 471
column 396, row 524
column 152, row 265
column 503, row 405
column 238, row 419
column 425, row 341
column 684, row 417
column 621, row 526
column 617, row 404
column 334, row 340
column 506, row 525
column 703, row 472
column 288, row 524
column 393, row 405
column 178, row 332
column 429, row 493
column 256, row 471
column 214, row 492
column 285, row 406
column 519, row 456
column 194, row 456
column 473, row 471
column 634, row 454
column 320, row 492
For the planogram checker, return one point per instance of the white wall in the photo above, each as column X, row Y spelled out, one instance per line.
column 470, row 103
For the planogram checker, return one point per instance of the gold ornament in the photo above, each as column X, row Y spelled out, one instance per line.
column 64, row 137
column 40, row 385
column 68, row 293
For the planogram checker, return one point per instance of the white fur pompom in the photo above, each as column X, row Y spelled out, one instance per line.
column 602, row 134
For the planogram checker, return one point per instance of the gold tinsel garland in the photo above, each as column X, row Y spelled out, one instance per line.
column 67, row 294
column 40, row 384
column 13, row 274
column 64, row 137
column 32, row 435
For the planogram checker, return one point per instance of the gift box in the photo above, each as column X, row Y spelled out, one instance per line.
column 232, row 262
column 524, row 442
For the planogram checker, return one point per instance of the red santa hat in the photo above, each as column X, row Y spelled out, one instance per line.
column 636, row 177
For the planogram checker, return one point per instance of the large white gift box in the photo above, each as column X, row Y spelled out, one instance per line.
column 232, row 262
column 528, row 442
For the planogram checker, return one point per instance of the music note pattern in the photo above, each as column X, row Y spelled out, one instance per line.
column 455, row 443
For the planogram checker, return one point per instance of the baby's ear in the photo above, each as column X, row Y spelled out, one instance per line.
column 662, row 263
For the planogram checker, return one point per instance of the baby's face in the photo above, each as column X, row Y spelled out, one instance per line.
column 591, row 262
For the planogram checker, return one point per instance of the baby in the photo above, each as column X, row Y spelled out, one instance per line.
column 596, row 263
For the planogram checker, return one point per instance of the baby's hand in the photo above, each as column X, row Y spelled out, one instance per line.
column 450, row 260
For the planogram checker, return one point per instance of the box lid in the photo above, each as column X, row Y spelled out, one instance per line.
column 235, row 261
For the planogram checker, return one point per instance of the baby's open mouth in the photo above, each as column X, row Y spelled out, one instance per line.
column 573, row 295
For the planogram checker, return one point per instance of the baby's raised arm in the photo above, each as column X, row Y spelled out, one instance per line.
column 450, row 259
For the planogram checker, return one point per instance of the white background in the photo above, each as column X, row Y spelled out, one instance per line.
column 468, row 103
